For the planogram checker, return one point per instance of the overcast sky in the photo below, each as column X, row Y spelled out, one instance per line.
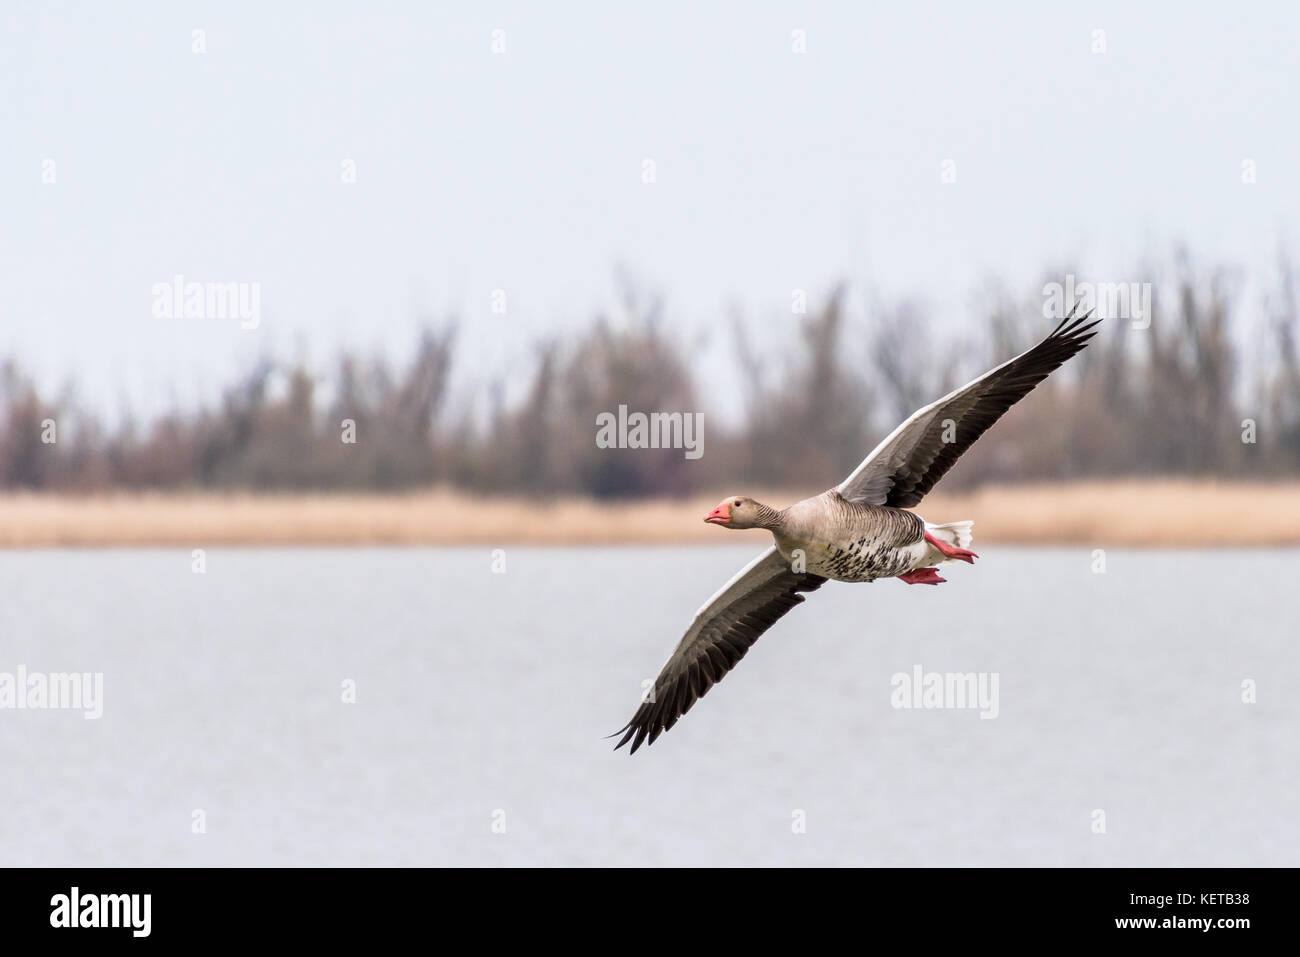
column 524, row 170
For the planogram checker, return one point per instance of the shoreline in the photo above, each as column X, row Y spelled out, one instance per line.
column 1152, row 513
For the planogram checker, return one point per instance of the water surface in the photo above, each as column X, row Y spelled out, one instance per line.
column 481, row 699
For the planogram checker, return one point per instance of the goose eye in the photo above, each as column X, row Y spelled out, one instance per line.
column 737, row 503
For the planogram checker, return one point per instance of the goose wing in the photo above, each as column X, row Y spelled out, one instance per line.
column 723, row 630
column 905, row 466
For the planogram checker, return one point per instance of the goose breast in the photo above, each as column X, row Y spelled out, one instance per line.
column 851, row 542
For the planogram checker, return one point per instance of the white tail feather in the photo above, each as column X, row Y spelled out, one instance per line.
column 953, row 533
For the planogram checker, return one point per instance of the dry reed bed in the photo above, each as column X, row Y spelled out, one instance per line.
column 1166, row 513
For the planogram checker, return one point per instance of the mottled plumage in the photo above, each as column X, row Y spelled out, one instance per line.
column 849, row 541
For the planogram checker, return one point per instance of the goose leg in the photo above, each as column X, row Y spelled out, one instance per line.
column 951, row 551
column 922, row 576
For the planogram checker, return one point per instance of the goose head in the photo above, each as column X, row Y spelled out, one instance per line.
column 737, row 511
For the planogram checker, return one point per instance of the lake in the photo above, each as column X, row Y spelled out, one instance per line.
column 1121, row 736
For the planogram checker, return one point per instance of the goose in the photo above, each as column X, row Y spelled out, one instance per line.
column 859, row 531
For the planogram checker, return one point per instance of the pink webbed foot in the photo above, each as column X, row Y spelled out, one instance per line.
column 952, row 551
column 922, row 576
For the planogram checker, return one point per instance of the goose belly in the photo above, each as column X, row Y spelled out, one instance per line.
column 864, row 559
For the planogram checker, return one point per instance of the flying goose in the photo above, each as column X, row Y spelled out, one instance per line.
column 855, row 532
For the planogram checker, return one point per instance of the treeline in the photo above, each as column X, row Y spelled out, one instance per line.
column 1182, row 396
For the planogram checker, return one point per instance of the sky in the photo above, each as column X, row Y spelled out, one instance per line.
column 374, row 166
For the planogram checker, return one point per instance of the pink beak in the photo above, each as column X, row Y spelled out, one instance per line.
column 719, row 516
